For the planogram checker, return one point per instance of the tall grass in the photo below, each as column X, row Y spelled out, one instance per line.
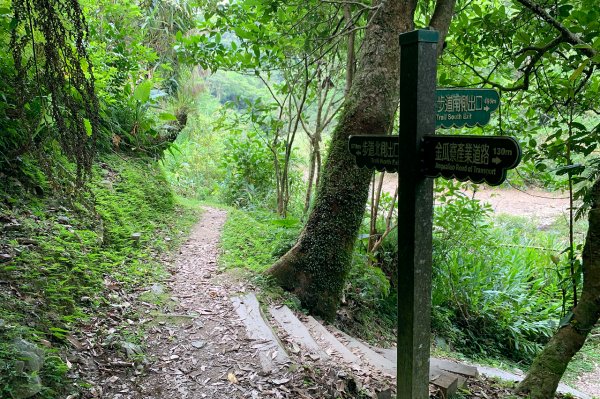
column 495, row 291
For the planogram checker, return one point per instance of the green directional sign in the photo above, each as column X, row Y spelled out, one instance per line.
column 457, row 107
column 380, row 152
column 480, row 159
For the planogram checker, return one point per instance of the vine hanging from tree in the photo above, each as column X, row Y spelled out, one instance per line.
column 54, row 72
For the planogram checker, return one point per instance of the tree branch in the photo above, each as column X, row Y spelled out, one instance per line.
column 524, row 85
column 568, row 36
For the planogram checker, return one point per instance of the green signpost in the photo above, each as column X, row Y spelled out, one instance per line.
column 418, row 66
column 418, row 155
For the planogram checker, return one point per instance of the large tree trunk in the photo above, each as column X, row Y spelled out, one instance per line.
column 547, row 369
column 316, row 267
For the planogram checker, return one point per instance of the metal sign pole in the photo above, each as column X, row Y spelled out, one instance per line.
column 418, row 63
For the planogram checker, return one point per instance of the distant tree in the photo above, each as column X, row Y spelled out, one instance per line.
column 292, row 47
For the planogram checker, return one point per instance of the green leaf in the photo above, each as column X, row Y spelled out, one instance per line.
column 142, row 91
column 88, row 127
column 242, row 34
column 519, row 60
column 165, row 116
column 579, row 70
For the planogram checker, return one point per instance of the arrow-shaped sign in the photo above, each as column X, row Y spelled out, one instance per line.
column 475, row 158
column 457, row 107
column 380, row 152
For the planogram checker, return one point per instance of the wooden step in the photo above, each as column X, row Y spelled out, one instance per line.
column 452, row 367
column 297, row 331
column 330, row 343
column 368, row 355
column 270, row 351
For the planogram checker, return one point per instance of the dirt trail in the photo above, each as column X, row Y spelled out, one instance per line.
column 540, row 205
column 201, row 350
column 208, row 355
column 194, row 346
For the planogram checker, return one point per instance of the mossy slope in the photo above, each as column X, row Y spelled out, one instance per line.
column 60, row 251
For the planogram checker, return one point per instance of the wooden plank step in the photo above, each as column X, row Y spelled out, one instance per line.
column 329, row 342
column 453, row 367
column 369, row 355
column 271, row 354
column 297, row 331
column 389, row 353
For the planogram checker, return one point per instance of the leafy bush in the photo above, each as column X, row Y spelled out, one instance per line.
column 193, row 166
column 249, row 171
column 494, row 292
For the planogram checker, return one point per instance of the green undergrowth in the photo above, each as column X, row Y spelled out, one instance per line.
column 369, row 306
column 251, row 242
column 61, row 252
column 496, row 283
column 495, row 288
column 254, row 240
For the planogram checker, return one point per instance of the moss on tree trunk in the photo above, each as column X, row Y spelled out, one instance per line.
column 317, row 266
column 547, row 369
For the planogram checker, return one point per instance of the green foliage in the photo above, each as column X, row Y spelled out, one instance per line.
column 194, row 165
column 229, row 86
column 53, row 95
column 259, row 159
column 255, row 240
column 370, row 309
column 88, row 90
column 494, row 288
column 249, row 174
column 64, row 252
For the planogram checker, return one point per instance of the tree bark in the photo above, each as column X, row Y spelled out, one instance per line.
column 547, row 369
column 350, row 60
column 440, row 20
column 317, row 266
